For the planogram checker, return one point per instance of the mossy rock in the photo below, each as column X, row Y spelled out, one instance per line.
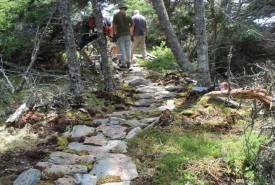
column 62, row 142
column 87, row 164
column 78, row 115
column 187, row 112
column 108, row 179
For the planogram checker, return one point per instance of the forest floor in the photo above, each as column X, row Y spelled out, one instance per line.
column 153, row 130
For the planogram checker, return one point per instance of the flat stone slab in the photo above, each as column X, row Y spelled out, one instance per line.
column 145, row 95
column 54, row 171
column 135, row 123
column 174, row 88
column 99, row 140
column 80, row 131
column 85, row 179
column 165, row 94
column 169, row 104
column 137, row 81
column 113, row 131
column 143, row 103
column 116, row 146
column 149, row 120
column 115, row 165
column 28, row 177
column 116, row 121
column 65, row 181
column 133, row 133
column 150, row 89
column 79, row 147
column 67, row 158
column 101, row 121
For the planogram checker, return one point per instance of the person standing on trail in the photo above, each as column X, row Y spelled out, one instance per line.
column 139, row 33
column 121, row 30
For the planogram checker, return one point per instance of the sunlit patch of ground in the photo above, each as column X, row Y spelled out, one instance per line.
column 12, row 139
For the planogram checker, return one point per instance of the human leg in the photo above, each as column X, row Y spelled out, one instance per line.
column 134, row 46
column 122, row 49
column 128, row 48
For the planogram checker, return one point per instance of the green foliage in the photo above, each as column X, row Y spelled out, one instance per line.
column 19, row 20
column 165, row 59
column 178, row 149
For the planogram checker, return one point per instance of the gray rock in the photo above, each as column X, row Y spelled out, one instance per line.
column 173, row 88
column 85, row 179
column 99, row 139
column 79, row 147
column 137, row 81
column 54, row 171
column 116, row 120
column 165, row 94
column 149, row 89
column 143, row 103
column 115, row 165
column 133, row 133
column 149, row 120
column 67, row 158
column 134, row 123
column 113, row 131
column 116, row 146
column 101, row 121
column 65, row 181
column 80, row 131
column 28, row 177
column 169, row 104
column 145, row 95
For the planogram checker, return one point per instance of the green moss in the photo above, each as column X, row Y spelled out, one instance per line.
column 93, row 101
column 87, row 164
column 108, row 179
column 62, row 142
column 177, row 149
column 188, row 112
column 45, row 183
column 78, row 115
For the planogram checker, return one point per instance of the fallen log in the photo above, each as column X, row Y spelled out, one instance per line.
column 17, row 114
column 257, row 93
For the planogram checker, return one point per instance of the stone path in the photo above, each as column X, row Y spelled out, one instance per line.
column 98, row 155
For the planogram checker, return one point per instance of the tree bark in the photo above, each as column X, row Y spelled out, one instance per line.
column 171, row 37
column 76, row 85
column 202, row 45
column 102, row 42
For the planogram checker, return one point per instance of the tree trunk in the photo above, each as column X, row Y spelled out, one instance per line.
column 202, row 46
column 74, row 67
column 102, row 42
column 171, row 37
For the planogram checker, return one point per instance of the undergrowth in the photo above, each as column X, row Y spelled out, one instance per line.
column 181, row 157
column 164, row 62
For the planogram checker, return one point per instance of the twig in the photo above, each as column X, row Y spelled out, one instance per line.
column 35, row 51
column 7, row 79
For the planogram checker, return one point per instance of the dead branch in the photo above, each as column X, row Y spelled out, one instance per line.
column 17, row 114
column 38, row 39
column 6, row 77
column 257, row 93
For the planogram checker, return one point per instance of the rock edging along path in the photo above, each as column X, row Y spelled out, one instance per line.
column 98, row 155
